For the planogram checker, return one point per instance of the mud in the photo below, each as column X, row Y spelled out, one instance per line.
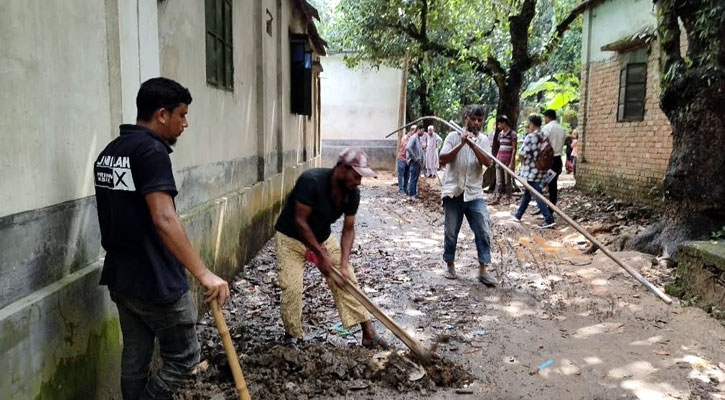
column 313, row 370
column 606, row 336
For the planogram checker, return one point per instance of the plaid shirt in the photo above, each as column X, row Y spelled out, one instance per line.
column 530, row 151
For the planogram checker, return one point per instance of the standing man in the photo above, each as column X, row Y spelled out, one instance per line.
column 528, row 154
column 506, row 154
column 431, row 152
column 556, row 135
column 146, row 246
column 462, row 192
column 319, row 198
column 403, row 163
column 414, row 155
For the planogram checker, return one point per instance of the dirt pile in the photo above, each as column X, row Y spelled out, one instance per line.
column 314, row 370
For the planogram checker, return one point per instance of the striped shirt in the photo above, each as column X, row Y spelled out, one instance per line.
column 506, row 147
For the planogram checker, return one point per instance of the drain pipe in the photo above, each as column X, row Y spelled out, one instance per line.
column 654, row 289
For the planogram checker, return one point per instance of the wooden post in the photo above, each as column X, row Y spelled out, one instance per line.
column 221, row 326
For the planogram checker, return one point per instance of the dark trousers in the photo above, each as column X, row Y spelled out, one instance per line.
column 403, row 171
column 173, row 324
column 413, row 179
column 526, row 198
column 553, row 188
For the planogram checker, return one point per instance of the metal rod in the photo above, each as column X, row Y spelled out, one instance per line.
column 558, row 211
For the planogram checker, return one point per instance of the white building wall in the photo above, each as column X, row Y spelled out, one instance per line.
column 55, row 96
column 611, row 21
column 360, row 103
column 222, row 123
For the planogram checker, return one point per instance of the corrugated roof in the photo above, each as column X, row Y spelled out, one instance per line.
column 631, row 42
column 310, row 14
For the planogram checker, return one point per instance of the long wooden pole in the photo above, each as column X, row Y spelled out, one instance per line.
column 414, row 345
column 654, row 289
column 221, row 326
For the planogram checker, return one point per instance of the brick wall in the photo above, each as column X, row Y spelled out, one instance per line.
column 624, row 159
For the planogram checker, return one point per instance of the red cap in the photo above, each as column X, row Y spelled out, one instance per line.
column 357, row 159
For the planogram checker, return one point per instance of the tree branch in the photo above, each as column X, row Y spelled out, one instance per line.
column 668, row 37
column 519, row 35
column 562, row 27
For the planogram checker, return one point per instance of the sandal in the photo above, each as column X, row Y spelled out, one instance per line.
column 376, row 341
column 290, row 341
column 487, row 279
column 450, row 274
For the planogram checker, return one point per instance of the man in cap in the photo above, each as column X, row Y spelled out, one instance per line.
column 319, row 198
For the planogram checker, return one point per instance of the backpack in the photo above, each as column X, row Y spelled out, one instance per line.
column 545, row 158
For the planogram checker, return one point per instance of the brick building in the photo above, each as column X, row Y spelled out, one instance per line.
column 624, row 137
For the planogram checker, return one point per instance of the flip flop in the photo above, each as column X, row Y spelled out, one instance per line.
column 487, row 279
column 450, row 274
column 376, row 341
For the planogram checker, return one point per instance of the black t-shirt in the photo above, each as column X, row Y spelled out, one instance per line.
column 313, row 189
column 137, row 262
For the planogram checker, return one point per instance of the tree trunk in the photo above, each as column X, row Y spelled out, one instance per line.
column 509, row 97
column 694, row 184
column 693, row 98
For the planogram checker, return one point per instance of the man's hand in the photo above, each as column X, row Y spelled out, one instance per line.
column 216, row 288
column 325, row 265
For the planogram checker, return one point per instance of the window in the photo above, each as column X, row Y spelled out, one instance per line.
column 301, row 76
column 632, row 87
column 219, row 64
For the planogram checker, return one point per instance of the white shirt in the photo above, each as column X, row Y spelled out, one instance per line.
column 464, row 175
column 556, row 135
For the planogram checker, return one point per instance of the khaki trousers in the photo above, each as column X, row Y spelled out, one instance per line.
column 291, row 266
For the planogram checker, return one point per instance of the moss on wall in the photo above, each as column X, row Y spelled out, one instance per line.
column 78, row 377
column 700, row 278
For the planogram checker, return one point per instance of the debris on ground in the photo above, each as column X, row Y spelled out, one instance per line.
column 552, row 302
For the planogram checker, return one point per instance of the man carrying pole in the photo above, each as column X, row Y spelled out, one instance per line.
column 319, row 198
column 146, row 246
column 462, row 192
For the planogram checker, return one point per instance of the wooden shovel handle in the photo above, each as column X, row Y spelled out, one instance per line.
column 415, row 346
column 221, row 326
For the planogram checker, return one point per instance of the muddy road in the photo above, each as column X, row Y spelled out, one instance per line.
column 560, row 324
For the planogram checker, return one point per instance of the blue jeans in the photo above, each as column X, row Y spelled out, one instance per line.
column 413, row 180
column 402, row 176
column 526, row 198
column 477, row 215
column 174, row 326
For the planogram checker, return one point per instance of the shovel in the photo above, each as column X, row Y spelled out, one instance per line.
column 414, row 345
column 221, row 326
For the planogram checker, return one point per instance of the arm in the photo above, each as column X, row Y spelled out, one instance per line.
column 480, row 155
column 447, row 155
column 348, row 236
column 409, row 148
column 171, row 232
column 324, row 263
column 514, row 145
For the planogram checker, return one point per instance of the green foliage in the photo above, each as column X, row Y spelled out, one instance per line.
column 451, row 43
column 559, row 90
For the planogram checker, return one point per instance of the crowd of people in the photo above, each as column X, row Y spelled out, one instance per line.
column 418, row 151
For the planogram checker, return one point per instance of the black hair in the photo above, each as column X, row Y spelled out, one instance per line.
column 158, row 93
column 504, row 119
column 550, row 113
column 472, row 109
column 535, row 120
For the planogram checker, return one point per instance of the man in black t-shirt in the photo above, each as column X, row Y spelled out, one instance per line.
column 319, row 198
column 146, row 246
